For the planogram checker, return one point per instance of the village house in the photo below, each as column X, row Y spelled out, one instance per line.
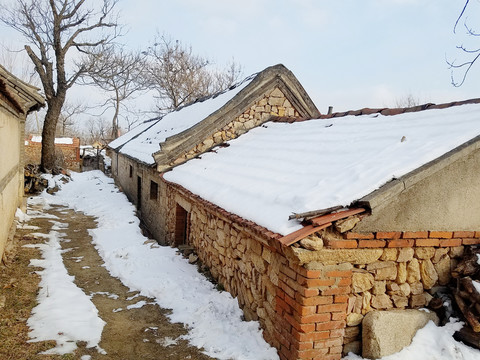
column 67, row 150
column 311, row 221
column 17, row 100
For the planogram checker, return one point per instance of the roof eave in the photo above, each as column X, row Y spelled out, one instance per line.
column 396, row 186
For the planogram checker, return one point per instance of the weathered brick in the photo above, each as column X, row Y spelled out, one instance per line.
column 315, row 318
column 441, row 234
column 353, row 235
column 289, row 272
column 400, row 243
column 340, row 244
column 464, row 234
column 320, row 282
column 450, row 242
column 312, row 336
column 372, row 243
column 281, row 306
column 330, row 325
column 345, row 281
column 288, row 290
column 308, row 292
column 427, row 242
column 341, row 290
column 339, row 273
column 340, row 299
column 316, row 300
column 337, row 333
column 331, row 308
column 312, row 274
column 328, row 343
column 415, row 234
column 477, row 234
column 388, row 235
column 471, row 241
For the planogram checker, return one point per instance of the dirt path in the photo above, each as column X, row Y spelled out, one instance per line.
column 130, row 333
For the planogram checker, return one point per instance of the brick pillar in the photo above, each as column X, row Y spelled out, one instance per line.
column 311, row 310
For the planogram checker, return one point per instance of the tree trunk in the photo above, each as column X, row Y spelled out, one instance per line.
column 48, row 133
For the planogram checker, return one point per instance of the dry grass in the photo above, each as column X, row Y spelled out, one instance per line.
column 18, row 291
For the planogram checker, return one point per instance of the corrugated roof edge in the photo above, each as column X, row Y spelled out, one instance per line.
column 382, row 111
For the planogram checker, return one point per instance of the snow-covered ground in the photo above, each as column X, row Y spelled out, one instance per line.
column 213, row 318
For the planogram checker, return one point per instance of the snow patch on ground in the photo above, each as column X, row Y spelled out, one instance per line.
column 64, row 313
column 433, row 343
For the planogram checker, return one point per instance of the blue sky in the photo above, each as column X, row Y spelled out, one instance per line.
column 348, row 54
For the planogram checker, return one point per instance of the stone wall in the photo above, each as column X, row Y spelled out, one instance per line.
column 273, row 103
column 127, row 173
column 389, row 270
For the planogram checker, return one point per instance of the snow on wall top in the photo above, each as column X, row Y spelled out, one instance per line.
column 63, row 140
column 274, row 171
column 144, row 140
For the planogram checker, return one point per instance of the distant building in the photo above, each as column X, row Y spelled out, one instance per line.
column 17, row 100
column 67, row 151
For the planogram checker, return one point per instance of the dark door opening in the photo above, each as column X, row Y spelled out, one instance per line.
column 181, row 226
column 139, row 192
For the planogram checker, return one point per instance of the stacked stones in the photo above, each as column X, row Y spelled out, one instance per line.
column 273, row 103
column 242, row 262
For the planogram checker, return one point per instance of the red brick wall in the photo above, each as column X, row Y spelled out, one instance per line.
column 71, row 153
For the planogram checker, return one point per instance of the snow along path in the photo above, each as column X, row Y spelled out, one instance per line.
column 64, row 312
column 213, row 318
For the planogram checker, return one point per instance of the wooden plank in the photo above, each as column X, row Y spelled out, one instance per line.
column 314, row 213
column 298, row 235
column 336, row 216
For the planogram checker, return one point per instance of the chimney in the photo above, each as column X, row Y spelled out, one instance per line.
column 330, row 110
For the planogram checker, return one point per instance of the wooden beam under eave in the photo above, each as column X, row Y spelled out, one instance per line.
column 324, row 219
column 298, row 235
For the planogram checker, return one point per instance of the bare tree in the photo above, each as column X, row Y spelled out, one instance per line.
column 97, row 129
column 53, row 29
column 473, row 53
column 407, row 101
column 118, row 73
column 66, row 125
column 178, row 76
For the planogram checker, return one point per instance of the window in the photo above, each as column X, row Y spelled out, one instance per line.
column 153, row 190
column 131, row 170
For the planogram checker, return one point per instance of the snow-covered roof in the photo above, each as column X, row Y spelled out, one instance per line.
column 281, row 168
column 62, row 140
column 144, row 140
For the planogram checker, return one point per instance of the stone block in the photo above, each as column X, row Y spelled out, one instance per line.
column 347, row 224
column 401, row 273
column 381, row 302
column 439, row 253
column 424, row 253
column 386, row 273
column 379, row 287
column 400, row 301
column 416, row 288
column 443, row 269
column 387, row 332
column 361, row 281
column 413, row 271
column 405, row 254
column 389, row 254
column 354, row 319
column 456, row 251
column 366, row 300
column 313, row 243
column 428, row 274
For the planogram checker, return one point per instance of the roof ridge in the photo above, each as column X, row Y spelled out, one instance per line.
column 383, row 111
